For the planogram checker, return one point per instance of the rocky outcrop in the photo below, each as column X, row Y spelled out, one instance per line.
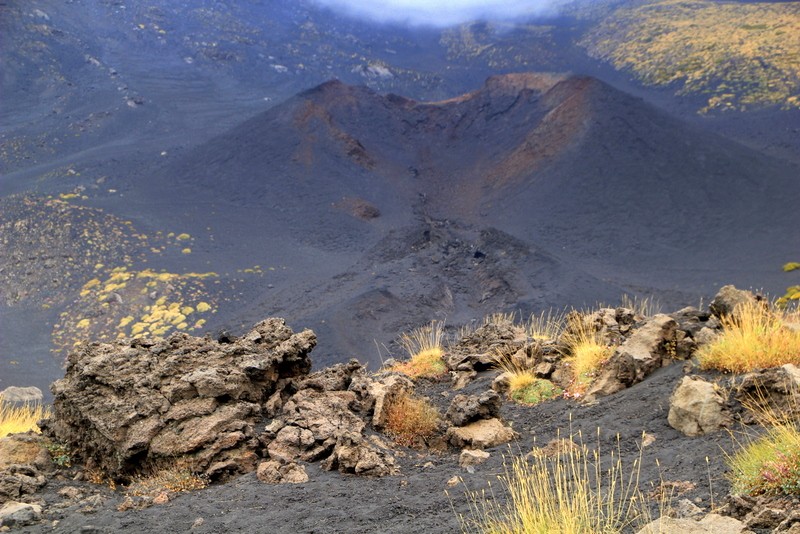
column 772, row 391
column 123, row 403
column 376, row 394
column 728, row 298
column 479, row 350
column 18, row 514
column 467, row 408
column 17, row 481
column 764, row 513
column 696, row 408
column 277, row 472
column 648, row 348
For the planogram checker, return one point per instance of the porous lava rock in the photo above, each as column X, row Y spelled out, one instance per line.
column 648, row 348
column 467, row 408
column 769, row 391
column 122, row 404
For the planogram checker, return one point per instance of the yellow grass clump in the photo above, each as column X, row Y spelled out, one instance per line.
column 424, row 347
column 587, row 352
column 411, row 420
column 568, row 492
column 753, row 337
column 18, row 419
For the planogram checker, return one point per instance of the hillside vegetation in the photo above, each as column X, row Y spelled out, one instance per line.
column 739, row 55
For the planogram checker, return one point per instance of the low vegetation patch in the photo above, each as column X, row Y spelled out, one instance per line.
column 769, row 465
column 565, row 492
column 535, row 391
column 524, row 386
column 411, row 420
column 17, row 419
column 426, row 355
column 753, row 337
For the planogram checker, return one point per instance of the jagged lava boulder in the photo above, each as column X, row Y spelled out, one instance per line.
column 123, row 404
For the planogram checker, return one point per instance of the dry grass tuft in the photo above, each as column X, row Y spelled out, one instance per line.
column 568, row 492
column 411, row 420
column 424, row 347
column 173, row 477
column 587, row 352
column 753, row 337
column 17, row 419
column 524, row 386
column 646, row 307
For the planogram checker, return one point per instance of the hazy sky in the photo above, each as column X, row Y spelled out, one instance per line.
column 443, row 12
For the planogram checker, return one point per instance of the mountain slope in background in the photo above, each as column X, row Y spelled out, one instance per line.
column 360, row 213
column 535, row 190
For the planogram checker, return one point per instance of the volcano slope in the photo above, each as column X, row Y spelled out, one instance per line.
column 535, row 190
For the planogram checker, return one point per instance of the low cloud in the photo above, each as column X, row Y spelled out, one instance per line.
column 443, row 13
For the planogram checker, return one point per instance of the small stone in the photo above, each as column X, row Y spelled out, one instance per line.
column 454, row 481
column 470, row 457
column 766, row 518
column 17, row 514
column 198, row 522
column 481, row 434
column 161, row 498
column 70, row 492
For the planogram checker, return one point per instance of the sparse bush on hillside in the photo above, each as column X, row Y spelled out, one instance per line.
column 740, row 55
column 411, row 420
column 426, row 355
column 17, row 419
column 753, row 337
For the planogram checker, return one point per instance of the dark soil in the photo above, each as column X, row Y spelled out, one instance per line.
column 419, row 499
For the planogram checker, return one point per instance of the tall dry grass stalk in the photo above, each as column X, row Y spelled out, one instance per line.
column 646, row 307
column 17, row 419
column 548, row 325
column 569, row 492
column 753, row 337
